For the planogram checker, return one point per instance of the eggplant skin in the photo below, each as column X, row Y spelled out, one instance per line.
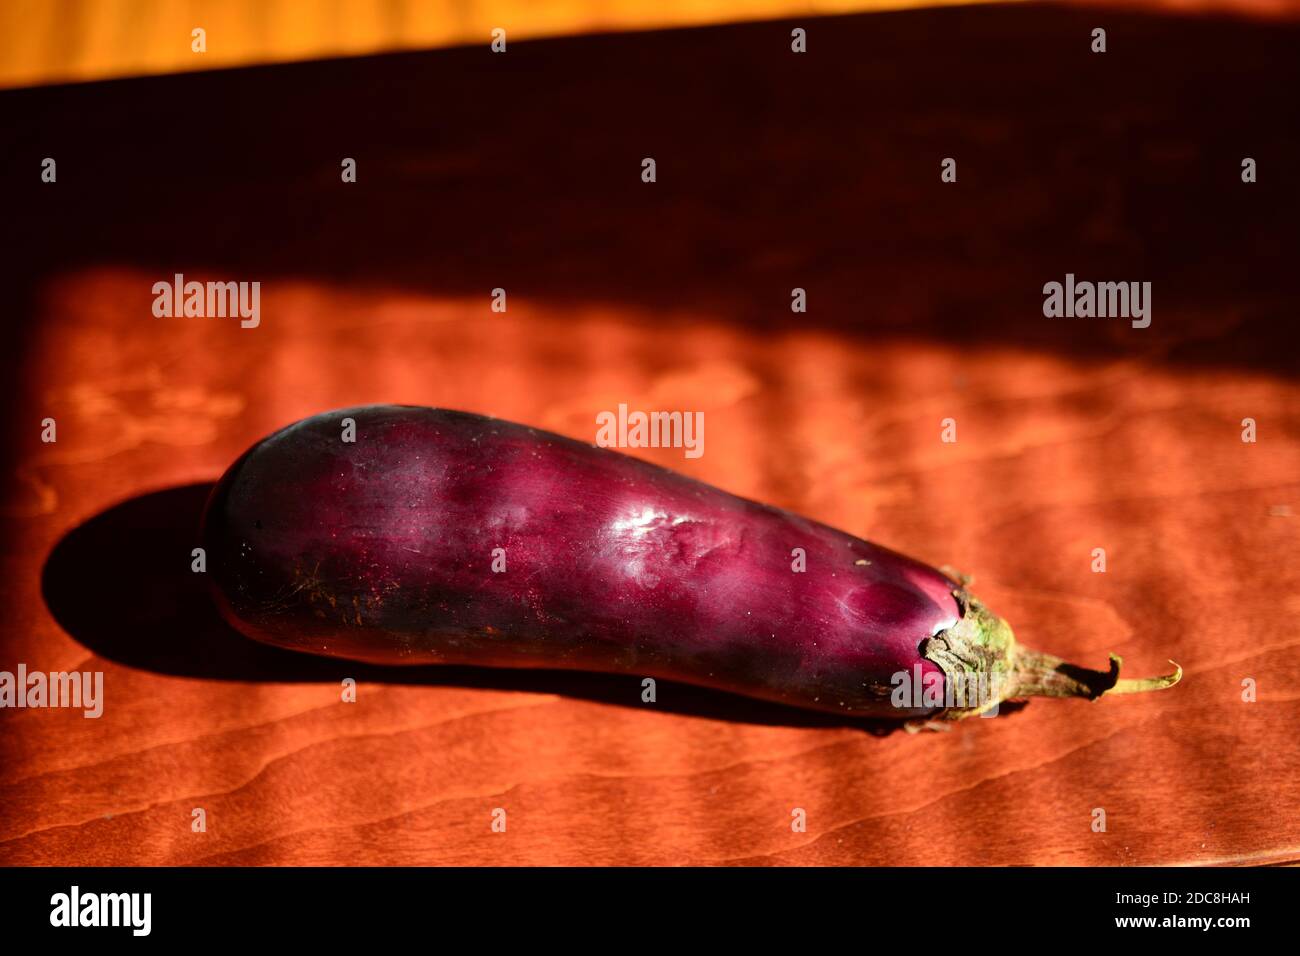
column 383, row 550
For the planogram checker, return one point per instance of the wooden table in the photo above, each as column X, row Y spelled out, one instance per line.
column 774, row 171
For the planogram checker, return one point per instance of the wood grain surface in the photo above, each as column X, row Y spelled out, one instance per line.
column 80, row 40
column 925, row 303
column 84, row 40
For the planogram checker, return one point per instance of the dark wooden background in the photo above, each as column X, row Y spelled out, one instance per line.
column 775, row 171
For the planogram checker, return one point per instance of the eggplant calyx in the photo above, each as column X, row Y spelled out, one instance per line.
column 984, row 665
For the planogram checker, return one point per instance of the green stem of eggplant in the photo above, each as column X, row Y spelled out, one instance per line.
column 1043, row 675
column 979, row 653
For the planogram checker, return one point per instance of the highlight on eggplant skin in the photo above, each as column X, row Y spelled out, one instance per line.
column 445, row 537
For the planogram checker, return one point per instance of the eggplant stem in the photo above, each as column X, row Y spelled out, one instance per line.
column 980, row 653
column 1140, row 685
column 1034, row 674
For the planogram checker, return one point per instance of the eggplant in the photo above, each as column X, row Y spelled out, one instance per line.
column 444, row 537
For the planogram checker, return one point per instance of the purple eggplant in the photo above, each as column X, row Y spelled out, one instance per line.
column 442, row 537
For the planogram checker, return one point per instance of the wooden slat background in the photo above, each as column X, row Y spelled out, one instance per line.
column 79, row 40
column 925, row 304
column 82, row 40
